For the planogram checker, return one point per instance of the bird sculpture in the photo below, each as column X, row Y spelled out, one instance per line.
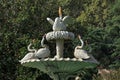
column 30, row 55
column 59, row 24
column 79, row 52
column 43, row 52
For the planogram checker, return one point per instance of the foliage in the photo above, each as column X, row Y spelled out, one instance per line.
column 94, row 13
column 114, row 33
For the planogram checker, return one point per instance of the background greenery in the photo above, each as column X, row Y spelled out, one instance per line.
column 21, row 21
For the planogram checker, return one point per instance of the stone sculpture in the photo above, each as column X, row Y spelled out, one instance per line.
column 59, row 24
column 30, row 55
column 79, row 52
column 43, row 52
column 58, row 67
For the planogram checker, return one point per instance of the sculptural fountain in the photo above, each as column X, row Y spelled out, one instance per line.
column 58, row 67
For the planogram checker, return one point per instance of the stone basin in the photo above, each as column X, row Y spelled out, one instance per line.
column 61, row 67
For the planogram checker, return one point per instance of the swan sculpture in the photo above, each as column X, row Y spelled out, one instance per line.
column 43, row 52
column 79, row 52
column 59, row 24
column 30, row 55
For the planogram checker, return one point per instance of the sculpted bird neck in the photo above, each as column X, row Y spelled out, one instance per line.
column 42, row 42
column 82, row 43
column 32, row 50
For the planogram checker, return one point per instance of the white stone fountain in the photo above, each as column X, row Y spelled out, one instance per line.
column 59, row 68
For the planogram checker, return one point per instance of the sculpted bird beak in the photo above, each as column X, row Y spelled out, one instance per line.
column 44, row 35
column 33, row 40
column 79, row 36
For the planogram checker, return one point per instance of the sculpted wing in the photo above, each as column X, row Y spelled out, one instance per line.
column 42, row 53
column 27, row 57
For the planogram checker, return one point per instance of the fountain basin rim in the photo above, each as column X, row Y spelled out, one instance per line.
column 60, row 59
column 59, row 35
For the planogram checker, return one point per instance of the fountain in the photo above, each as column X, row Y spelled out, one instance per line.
column 59, row 68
